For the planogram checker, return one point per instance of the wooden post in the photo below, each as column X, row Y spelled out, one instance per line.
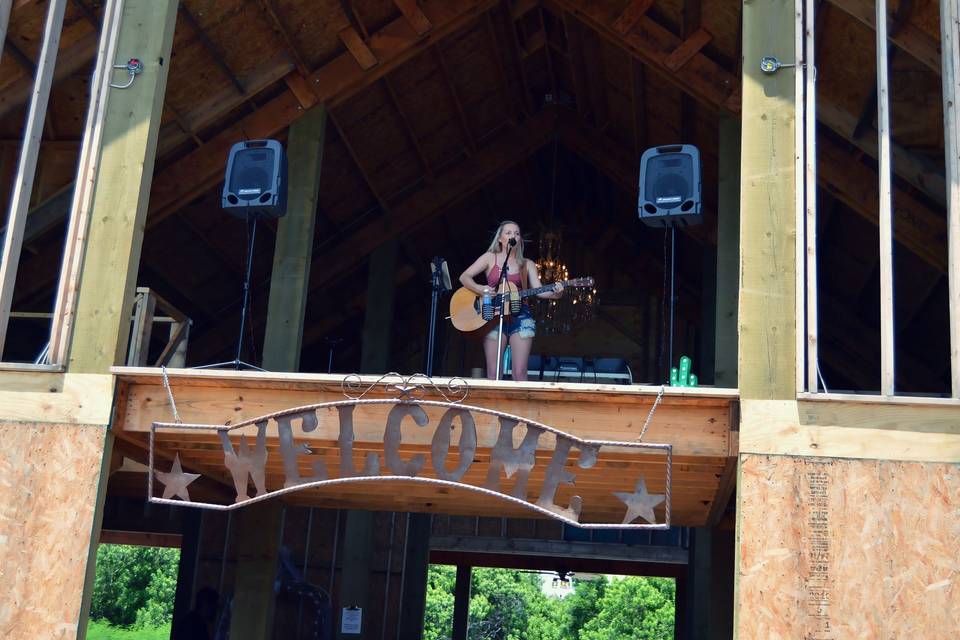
column 355, row 573
column 378, row 321
column 281, row 352
column 885, row 223
column 810, row 199
column 950, row 45
column 259, row 531
column 292, row 256
column 728, row 252
column 121, row 190
column 413, row 594
column 5, row 6
column 27, row 167
column 461, row 602
column 767, row 307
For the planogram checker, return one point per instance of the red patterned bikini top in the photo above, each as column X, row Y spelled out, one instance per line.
column 494, row 277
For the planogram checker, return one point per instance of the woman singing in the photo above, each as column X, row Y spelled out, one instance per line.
column 519, row 328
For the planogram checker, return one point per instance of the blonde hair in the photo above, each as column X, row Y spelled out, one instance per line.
column 495, row 243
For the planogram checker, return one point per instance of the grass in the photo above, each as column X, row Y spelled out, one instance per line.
column 103, row 630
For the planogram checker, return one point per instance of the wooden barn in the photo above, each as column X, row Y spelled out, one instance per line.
column 181, row 367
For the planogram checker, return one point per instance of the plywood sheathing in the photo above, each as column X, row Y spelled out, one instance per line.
column 48, row 486
column 834, row 549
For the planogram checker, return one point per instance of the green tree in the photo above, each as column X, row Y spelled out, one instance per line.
column 582, row 605
column 438, row 611
column 634, row 608
column 134, row 585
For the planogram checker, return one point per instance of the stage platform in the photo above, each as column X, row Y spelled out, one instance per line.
column 701, row 425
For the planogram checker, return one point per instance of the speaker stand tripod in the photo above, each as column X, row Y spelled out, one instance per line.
column 238, row 364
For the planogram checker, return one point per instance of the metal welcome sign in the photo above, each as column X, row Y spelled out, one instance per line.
column 246, row 463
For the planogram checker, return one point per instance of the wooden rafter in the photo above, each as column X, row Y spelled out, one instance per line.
column 381, row 200
column 907, row 37
column 286, row 38
column 413, row 14
column 440, row 59
column 358, row 48
column 508, row 97
column 631, row 15
column 407, row 127
column 215, row 54
column 711, row 84
column 687, row 49
column 517, row 55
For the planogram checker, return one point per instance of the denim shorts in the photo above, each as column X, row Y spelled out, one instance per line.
column 522, row 323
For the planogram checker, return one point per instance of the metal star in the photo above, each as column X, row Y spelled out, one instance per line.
column 640, row 503
column 175, row 482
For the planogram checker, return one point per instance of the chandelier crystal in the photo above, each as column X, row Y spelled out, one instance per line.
column 577, row 306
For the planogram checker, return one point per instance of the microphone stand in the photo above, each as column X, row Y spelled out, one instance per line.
column 436, row 285
column 501, row 287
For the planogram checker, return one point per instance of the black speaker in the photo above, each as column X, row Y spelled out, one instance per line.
column 256, row 180
column 670, row 186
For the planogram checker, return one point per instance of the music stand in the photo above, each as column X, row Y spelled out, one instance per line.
column 439, row 283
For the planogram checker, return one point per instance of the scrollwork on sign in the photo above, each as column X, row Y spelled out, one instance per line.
column 412, row 387
column 566, row 453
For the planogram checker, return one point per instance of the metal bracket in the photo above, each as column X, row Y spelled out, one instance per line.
column 134, row 67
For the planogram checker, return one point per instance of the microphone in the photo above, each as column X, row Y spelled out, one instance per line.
column 513, row 242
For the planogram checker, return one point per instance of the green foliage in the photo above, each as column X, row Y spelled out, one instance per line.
column 633, row 609
column 134, row 586
column 102, row 630
column 511, row 605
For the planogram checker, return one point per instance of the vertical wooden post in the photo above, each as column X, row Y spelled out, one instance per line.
column 810, row 196
column 461, row 602
column 27, row 167
column 767, row 308
column 259, row 532
column 294, row 245
column 355, row 574
column 73, row 251
column 5, row 6
column 887, row 343
column 728, row 252
column 413, row 593
column 122, row 189
column 378, row 321
column 950, row 46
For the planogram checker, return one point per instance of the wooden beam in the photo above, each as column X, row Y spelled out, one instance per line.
column 407, row 127
column 379, row 315
column 440, row 59
column 357, row 48
column 887, row 334
column 202, row 169
column 27, row 166
column 950, row 39
column 211, row 49
column 728, row 252
column 294, row 244
column 907, row 37
column 289, row 45
column 508, row 97
column 368, row 180
column 690, row 47
column 257, row 539
column 631, row 15
column 638, row 106
column 140, row 538
column 578, row 69
column 461, row 603
column 767, row 321
column 120, row 192
column 517, row 54
column 417, row 19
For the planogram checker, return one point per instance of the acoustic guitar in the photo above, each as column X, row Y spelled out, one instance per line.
column 466, row 307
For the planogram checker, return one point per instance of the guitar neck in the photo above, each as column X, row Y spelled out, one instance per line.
column 532, row 292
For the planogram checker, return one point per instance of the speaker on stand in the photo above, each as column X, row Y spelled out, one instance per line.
column 255, row 187
column 670, row 197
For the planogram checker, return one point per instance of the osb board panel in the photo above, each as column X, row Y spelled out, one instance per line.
column 48, row 482
column 831, row 549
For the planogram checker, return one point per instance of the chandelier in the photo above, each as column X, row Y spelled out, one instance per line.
column 577, row 306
